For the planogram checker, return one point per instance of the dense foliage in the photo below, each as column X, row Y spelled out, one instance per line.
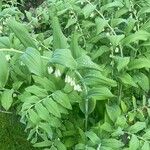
column 77, row 72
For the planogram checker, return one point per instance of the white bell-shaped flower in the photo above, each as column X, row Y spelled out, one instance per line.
column 50, row 70
column 7, row 57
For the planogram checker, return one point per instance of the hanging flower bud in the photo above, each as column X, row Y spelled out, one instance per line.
column 57, row 73
column 7, row 57
column 50, row 70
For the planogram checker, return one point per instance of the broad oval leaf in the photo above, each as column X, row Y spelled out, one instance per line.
column 100, row 93
column 4, row 70
column 52, row 107
column 64, row 57
column 21, row 33
column 62, row 99
column 32, row 59
column 7, row 99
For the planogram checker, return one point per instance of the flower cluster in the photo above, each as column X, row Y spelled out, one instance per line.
column 71, row 81
column 68, row 79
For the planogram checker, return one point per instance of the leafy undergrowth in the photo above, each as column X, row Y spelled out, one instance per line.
column 77, row 72
column 12, row 135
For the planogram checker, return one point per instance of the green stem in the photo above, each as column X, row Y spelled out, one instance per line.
column 17, row 51
column 86, row 99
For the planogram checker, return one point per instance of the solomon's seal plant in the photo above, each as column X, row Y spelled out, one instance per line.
column 77, row 73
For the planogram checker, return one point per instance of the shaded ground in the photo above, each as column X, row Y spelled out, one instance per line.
column 12, row 135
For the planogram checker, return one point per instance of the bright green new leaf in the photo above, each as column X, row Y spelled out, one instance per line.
column 4, row 70
column 32, row 59
column 21, row 33
column 7, row 99
column 64, row 57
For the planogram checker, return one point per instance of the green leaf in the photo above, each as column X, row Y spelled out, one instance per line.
column 111, row 5
column 138, row 126
column 45, row 83
column 5, row 42
column 146, row 146
column 32, row 59
column 62, row 99
column 42, row 111
column 37, row 91
column 59, row 40
column 60, row 145
column 139, row 35
column 100, row 24
column 115, row 39
column 7, row 99
column 113, row 112
column 134, row 143
column 47, row 128
column 34, row 117
column 52, row 107
column 143, row 81
column 91, row 106
column 71, row 21
column 43, row 144
column 64, row 57
column 75, row 48
column 100, row 52
column 21, row 33
column 4, row 70
column 143, row 10
column 113, row 143
column 100, row 93
column 147, row 135
column 88, row 9
column 139, row 63
column 127, row 79
column 96, row 78
column 85, row 62
column 122, row 62
column 93, row 137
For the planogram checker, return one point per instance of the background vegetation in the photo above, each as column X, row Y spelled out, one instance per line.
column 76, row 73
